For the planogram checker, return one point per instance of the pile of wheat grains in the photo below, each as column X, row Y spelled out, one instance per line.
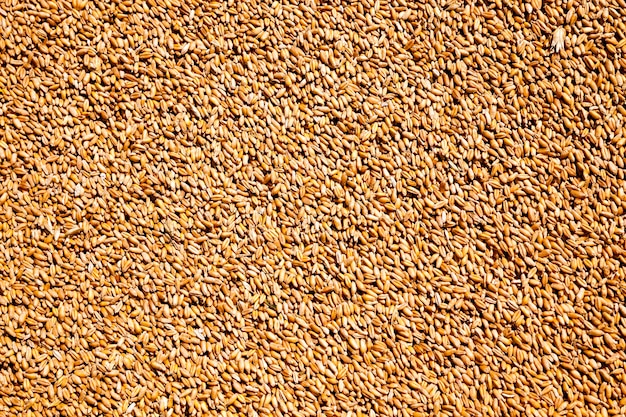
column 317, row 208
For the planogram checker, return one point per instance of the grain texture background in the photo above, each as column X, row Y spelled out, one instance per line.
column 367, row 208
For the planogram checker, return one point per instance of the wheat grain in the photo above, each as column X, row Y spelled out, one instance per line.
column 312, row 208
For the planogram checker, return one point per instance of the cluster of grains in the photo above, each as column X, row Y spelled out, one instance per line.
column 301, row 208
